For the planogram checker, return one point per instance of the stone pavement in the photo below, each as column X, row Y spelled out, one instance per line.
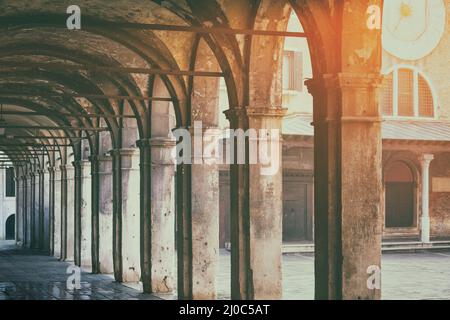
column 28, row 275
column 405, row 276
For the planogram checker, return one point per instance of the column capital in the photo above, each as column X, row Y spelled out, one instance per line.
column 100, row 158
column 268, row 112
column 156, row 142
column 93, row 158
column 205, row 131
column 234, row 114
column 317, row 85
column 243, row 113
column 124, row 151
column 162, row 142
column 426, row 159
column 129, row 158
column 77, row 163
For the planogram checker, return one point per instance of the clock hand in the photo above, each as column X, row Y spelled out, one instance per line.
column 398, row 24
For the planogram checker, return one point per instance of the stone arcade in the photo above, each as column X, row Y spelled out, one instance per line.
column 89, row 116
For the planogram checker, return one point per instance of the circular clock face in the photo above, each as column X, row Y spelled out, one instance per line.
column 412, row 28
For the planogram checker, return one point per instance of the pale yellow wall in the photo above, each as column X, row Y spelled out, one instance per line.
column 435, row 66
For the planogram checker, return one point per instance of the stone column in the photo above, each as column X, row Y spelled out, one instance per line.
column 77, row 211
column 26, row 210
column 86, row 218
column 51, row 210
column 38, row 217
column 70, row 222
column 425, row 162
column 40, row 208
column 63, row 255
column 205, row 220
column 57, row 214
column 197, row 224
column 19, row 208
column 146, row 218
column 45, row 187
column 348, row 222
column 34, row 207
column 105, row 232
column 157, row 215
column 126, row 217
column 94, row 212
column 256, row 207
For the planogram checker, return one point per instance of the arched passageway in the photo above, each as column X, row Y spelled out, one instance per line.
column 88, row 117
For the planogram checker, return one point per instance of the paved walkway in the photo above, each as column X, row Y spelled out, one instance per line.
column 405, row 276
column 27, row 275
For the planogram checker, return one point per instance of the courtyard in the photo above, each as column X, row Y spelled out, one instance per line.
column 27, row 275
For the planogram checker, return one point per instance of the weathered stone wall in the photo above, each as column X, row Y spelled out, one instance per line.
column 298, row 159
column 440, row 201
column 8, row 205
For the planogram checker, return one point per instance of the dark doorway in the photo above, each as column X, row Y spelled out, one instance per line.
column 10, row 227
column 294, row 211
column 399, row 196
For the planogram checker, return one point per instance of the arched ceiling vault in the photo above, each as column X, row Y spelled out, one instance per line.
column 102, row 60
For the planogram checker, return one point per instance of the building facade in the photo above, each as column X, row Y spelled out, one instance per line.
column 415, row 103
column 7, row 204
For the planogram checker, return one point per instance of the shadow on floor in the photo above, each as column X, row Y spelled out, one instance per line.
column 29, row 275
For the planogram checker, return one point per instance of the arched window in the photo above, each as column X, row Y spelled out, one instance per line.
column 10, row 184
column 399, row 181
column 406, row 93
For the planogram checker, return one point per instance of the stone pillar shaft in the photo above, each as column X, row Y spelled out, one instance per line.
column 63, row 254
column 86, row 217
column 19, row 212
column 184, row 233
column 205, row 221
column 70, row 221
column 105, row 232
column 57, row 214
column 95, row 211
column 256, row 206
column 126, row 221
column 34, row 211
column 425, row 221
column 77, row 211
column 40, row 209
column 26, row 210
column 46, row 211
column 51, row 202
column 157, row 215
column 348, row 222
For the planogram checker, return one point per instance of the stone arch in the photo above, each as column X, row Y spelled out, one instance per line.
column 411, row 163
